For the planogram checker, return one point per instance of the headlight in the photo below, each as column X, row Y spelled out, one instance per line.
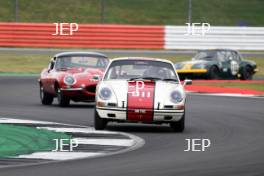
column 176, row 96
column 105, row 93
column 69, row 80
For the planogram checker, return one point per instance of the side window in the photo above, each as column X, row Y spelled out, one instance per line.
column 102, row 62
column 235, row 56
column 229, row 56
column 221, row 56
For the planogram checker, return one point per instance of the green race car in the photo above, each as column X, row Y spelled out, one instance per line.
column 217, row 64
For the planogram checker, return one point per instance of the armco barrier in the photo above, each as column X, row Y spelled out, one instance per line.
column 241, row 38
column 130, row 36
column 88, row 36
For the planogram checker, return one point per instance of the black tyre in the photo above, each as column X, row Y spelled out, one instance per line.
column 63, row 100
column 246, row 73
column 45, row 98
column 213, row 73
column 178, row 126
column 99, row 123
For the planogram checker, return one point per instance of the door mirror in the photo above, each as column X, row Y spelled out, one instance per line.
column 187, row 82
column 51, row 65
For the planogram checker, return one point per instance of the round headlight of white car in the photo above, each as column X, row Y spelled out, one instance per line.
column 176, row 96
column 69, row 80
column 105, row 93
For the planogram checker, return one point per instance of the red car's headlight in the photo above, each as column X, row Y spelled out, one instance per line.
column 69, row 80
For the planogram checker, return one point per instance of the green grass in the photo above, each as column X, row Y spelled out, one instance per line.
column 253, row 86
column 34, row 63
column 18, row 140
column 153, row 12
column 23, row 63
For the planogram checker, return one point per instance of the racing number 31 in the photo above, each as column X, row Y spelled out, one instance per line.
column 136, row 89
column 140, row 94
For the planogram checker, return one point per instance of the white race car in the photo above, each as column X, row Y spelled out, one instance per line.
column 143, row 90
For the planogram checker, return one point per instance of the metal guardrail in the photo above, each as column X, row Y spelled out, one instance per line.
column 130, row 37
column 241, row 38
column 88, row 36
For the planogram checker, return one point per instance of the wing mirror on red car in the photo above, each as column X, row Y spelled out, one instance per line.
column 51, row 65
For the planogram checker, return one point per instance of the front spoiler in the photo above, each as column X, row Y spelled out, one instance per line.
column 198, row 71
column 73, row 92
column 72, row 89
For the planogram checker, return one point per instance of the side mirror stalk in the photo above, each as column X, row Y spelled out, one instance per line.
column 187, row 82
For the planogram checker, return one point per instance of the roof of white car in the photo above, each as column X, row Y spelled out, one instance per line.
column 141, row 58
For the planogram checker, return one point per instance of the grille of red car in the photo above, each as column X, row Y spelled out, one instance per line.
column 91, row 88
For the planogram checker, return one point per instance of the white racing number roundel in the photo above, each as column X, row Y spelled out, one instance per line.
column 234, row 67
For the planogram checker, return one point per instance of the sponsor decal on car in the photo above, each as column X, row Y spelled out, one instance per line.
column 139, row 93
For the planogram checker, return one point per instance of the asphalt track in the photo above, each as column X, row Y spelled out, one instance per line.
column 234, row 126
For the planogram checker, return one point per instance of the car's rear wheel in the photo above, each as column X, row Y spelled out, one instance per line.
column 63, row 100
column 178, row 126
column 99, row 123
column 246, row 73
column 45, row 98
column 213, row 73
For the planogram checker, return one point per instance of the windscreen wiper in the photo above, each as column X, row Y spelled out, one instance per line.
column 170, row 79
column 63, row 68
column 145, row 78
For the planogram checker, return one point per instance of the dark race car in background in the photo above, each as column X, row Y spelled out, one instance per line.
column 217, row 64
column 72, row 76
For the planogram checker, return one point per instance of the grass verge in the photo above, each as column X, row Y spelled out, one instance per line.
column 172, row 12
column 34, row 63
column 13, row 63
column 18, row 140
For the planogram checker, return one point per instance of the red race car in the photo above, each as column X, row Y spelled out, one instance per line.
column 72, row 76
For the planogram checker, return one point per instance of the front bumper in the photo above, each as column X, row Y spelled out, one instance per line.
column 120, row 114
column 72, row 89
column 192, row 74
column 79, row 94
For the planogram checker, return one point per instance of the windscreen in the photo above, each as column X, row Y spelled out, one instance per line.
column 210, row 55
column 80, row 61
column 130, row 69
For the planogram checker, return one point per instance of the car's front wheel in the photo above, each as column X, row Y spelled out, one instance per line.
column 63, row 100
column 45, row 98
column 246, row 73
column 213, row 73
column 99, row 123
column 179, row 125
